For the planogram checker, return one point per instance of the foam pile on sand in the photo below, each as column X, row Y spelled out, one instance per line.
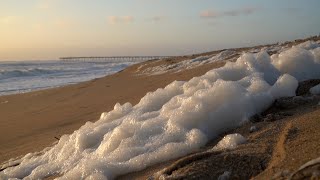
column 173, row 121
column 230, row 141
column 315, row 90
column 191, row 63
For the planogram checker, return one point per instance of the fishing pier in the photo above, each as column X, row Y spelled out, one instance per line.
column 113, row 58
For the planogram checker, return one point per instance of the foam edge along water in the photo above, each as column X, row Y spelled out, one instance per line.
column 174, row 121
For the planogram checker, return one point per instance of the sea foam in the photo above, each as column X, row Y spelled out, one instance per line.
column 174, row 121
column 230, row 141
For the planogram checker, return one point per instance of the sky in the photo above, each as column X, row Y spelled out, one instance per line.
column 49, row 29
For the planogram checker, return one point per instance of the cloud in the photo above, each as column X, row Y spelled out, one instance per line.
column 8, row 19
column 157, row 18
column 235, row 12
column 120, row 19
column 209, row 14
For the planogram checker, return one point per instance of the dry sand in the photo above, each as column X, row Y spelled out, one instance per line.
column 32, row 121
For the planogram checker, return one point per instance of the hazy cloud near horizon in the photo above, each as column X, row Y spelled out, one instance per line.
column 158, row 18
column 120, row 19
column 8, row 19
column 235, row 12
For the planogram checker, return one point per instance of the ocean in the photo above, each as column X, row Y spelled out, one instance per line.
column 25, row 76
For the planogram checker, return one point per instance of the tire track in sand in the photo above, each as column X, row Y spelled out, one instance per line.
column 279, row 152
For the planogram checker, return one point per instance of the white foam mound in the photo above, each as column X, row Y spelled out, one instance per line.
column 285, row 86
column 309, row 45
column 189, row 64
column 315, row 90
column 316, row 54
column 230, row 141
column 173, row 121
column 302, row 61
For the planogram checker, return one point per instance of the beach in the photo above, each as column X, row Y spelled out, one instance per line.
column 33, row 121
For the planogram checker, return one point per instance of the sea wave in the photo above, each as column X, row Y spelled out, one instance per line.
column 25, row 72
column 20, row 77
